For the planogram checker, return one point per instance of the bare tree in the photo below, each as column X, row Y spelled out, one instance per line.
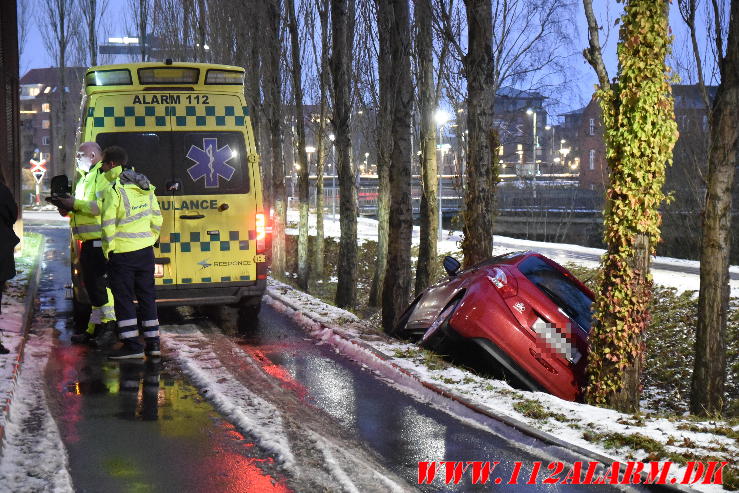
column 396, row 288
column 321, row 147
column 58, row 16
column 709, row 373
column 273, row 113
column 303, row 172
column 140, row 12
column 92, row 11
column 25, row 12
column 427, row 101
column 342, row 35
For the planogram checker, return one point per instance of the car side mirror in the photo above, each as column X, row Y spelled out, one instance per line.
column 60, row 186
column 451, row 265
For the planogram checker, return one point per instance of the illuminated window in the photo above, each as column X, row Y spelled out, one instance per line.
column 45, row 124
column 591, row 159
column 46, row 107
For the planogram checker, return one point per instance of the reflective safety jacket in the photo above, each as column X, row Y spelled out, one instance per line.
column 131, row 219
column 85, row 219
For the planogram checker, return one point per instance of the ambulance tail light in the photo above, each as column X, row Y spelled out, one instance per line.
column 261, row 228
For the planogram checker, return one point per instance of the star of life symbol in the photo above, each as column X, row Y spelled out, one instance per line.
column 210, row 162
column 520, row 307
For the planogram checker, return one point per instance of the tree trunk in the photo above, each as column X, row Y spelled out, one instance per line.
column 429, row 201
column 384, row 151
column 482, row 167
column 91, row 32
column 321, row 150
column 342, row 26
column 273, row 104
column 640, row 132
column 303, row 183
column 709, row 372
column 397, row 283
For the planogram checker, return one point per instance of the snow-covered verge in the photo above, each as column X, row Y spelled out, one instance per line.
column 560, row 252
column 15, row 305
column 606, row 432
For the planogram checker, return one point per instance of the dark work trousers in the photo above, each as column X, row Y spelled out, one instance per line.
column 93, row 264
column 131, row 275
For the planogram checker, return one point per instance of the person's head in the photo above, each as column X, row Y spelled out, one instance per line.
column 114, row 156
column 88, row 155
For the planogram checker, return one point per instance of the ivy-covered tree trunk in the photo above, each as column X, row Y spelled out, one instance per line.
column 273, row 103
column 429, row 202
column 482, row 172
column 303, row 176
column 709, row 372
column 342, row 30
column 640, row 132
column 397, row 284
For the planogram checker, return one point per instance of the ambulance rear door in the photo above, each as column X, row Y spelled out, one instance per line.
column 215, row 213
column 142, row 126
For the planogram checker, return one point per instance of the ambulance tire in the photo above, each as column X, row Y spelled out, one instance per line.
column 80, row 315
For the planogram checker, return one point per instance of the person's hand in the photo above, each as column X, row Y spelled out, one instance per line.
column 66, row 203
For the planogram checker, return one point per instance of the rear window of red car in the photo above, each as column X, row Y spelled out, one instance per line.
column 561, row 290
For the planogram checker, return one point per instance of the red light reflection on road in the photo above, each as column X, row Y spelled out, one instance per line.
column 274, row 370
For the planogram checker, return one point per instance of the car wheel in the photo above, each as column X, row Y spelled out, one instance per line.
column 435, row 336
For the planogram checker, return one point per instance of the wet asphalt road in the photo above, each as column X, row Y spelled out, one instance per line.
column 144, row 427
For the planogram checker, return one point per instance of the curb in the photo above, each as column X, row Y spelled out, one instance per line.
column 30, row 298
column 506, row 420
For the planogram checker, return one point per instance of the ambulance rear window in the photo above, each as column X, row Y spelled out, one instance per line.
column 204, row 163
column 149, row 153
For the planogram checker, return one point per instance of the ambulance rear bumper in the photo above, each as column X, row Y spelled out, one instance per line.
column 211, row 293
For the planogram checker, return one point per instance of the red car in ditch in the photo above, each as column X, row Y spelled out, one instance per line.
column 528, row 313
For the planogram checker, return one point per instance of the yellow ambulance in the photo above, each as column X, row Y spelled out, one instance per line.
column 186, row 126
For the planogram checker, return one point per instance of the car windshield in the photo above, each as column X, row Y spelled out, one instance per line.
column 561, row 290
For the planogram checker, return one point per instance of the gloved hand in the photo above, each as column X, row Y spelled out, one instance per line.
column 62, row 212
column 65, row 202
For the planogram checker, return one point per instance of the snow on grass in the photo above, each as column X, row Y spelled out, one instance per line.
column 33, row 455
column 246, row 410
column 610, row 433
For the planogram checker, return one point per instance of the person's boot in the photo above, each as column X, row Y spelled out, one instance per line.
column 105, row 335
column 131, row 349
column 83, row 338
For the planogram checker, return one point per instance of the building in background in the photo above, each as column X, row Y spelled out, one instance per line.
column 41, row 118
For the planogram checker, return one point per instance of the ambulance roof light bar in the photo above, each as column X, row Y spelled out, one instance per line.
column 224, row 77
column 120, row 77
column 168, row 75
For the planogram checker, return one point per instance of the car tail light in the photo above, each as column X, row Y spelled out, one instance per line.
column 555, row 340
column 261, row 232
column 506, row 287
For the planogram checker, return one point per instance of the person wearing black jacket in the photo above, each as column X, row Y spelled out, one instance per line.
column 8, row 240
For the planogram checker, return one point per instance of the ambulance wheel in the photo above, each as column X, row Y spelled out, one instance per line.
column 249, row 313
column 80, row 315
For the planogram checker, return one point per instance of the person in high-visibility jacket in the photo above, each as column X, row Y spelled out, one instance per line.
column 84, row 218
column 131, row 223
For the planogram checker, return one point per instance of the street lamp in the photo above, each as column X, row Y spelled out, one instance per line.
column 551, row 140
column 332, row 138
column 441, row 118
column 533, row 147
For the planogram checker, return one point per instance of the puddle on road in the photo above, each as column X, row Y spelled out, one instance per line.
column 137, row 426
